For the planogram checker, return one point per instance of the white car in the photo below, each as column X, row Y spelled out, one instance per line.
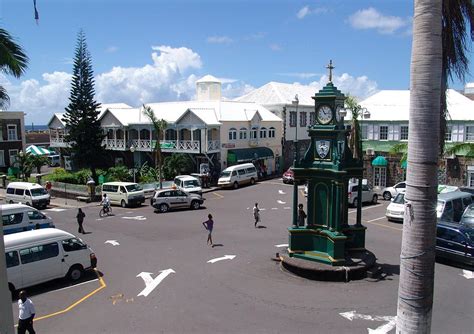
column 396, row 209
column 367, row 194
column 390, row 192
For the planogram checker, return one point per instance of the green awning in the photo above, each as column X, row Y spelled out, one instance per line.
column 249, row 154
column 404, row 164
column 380, row 161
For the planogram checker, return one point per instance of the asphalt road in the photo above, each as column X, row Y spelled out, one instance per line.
column 249, row 293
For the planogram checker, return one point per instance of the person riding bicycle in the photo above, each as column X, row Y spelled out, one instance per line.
column 106, row 203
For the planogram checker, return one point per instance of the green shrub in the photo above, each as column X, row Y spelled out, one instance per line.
column 119, row 173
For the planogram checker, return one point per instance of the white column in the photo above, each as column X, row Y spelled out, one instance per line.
column 6, row 313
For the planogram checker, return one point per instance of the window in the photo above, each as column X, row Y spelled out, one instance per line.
column 14, row 218
column 449, row 133
column 12, row 259
column 19, row 192
column 303, row 119
column 243, row 133
column 292, row 119
column 250, row 170
column 404, row 132
column 364, row 131
column 11, row 130
column 383, row 134
column 2, row 158
column 312, row 118
column 233, row 134
column 35, row 215
column 10, row 191
column 253, row 133
column 241, row 172
column 263, row 132
column 73, row 244
column 469, row 133
column 109, row 188
column 38, row 253
column 380, row 174
column 271, row 132
column 13, row 154
column 470, row 176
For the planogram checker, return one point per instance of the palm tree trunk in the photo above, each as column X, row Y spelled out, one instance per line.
column 415, row 292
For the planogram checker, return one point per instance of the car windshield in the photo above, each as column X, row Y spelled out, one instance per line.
column 468, row 216
column 134, row 187
column 191, row 184
column 225, row 174
column 38, row 192
column 399, row 199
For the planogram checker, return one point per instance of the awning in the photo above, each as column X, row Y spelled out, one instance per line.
column 249, row 154
column 380, row 161
column 35, row 150
column 404, row 164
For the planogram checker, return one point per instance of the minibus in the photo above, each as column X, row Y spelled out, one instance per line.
column 124, row 193
column 32, row 194
column 237, row 175
column 20, row 218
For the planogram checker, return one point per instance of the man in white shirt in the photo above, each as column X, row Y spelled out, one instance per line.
column 26, row 314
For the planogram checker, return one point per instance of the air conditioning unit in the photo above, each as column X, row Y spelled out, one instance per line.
column 370, row 151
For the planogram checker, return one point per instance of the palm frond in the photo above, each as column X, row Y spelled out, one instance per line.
column 466, row 149
column 13, row 60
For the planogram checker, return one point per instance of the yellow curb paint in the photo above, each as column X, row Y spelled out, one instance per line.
column 102, row 286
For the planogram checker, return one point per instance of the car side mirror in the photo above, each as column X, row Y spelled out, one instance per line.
column 392, row 199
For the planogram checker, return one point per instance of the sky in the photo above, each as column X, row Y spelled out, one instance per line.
column 146, row 51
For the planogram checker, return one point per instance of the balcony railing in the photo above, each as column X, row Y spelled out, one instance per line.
column 115, row 144
column 147, row 145
column 57, row 142
column 213, row 145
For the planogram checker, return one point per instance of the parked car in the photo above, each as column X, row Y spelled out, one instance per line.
column 451, row 206
column 124, row 193
column 188, row 184
column 367, row 194
column 467, row 218
column 390, row 192
column 468, row 190
column 31, row 194
column 20, row 218
column 396, row 209
column 288, row 176
column 455, row 242
column 168, row 199
column 237, row 175
column 54, row 160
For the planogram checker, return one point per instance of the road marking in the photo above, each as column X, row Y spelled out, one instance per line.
column 73, row 286
column 287, row 208
column 112, row 242
column 385, row 328
column 56, row 209
column 281, row 192
column 150, row 283
column 135, row 218
column 274, row 208
column 70, row 307
column 281, row 202
column 281, row 245
column 366, row 208
column 218, row 195
column 468, row 274
column 225, row 257
column 372, row 220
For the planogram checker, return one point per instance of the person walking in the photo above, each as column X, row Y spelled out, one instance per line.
column 80, row 220
column 26, row 314
column 209, row 225
column 301, row 215
column 256, row 214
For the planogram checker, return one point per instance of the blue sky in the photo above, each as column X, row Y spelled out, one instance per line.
column 151, row 51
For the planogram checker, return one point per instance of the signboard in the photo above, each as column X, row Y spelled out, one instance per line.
column 228, row 145
column 67, row 163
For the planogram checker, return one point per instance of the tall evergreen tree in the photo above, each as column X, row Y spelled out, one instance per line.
column 84, row 133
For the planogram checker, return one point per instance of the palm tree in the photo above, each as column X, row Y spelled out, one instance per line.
column 38, row 161
column 466, row 149
column 159, row 126
column 13, row 61
column 400, row 148
column 355, row 142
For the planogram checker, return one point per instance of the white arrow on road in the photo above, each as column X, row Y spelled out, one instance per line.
column 468, row 274
column 112, row 242
column 281, row 192
column 281, row 245
column 281, row 202
column 225, row 257
column 135, row 218
column 385, row 328
column 150, row 283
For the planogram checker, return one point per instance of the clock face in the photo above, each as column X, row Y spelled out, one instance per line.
column 324, row 114
column 338, row 114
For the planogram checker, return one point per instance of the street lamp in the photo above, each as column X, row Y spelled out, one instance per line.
column 295, row 184
column 132, row 149
column 364, row 114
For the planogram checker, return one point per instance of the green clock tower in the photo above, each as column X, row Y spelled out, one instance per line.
column 327, row 166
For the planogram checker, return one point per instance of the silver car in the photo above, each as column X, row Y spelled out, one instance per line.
column 166, row 199
column 367, row 194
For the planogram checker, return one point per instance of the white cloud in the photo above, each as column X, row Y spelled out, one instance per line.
column 370, row 18
column 303, row 12
column 219, row 40
column 301, row 75
column 256, row 36
column 111, row 49
column 360, row 87
column 306, row 10
column 235, row 89
column 275, row 47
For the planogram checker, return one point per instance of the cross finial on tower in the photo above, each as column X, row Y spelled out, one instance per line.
column 330, row 68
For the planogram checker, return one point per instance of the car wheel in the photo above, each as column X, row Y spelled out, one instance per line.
column 163, row 208
column 12, row 289
column 374, row 199
column 10, row 202
column 387, row 196
column 123, row 204
column 252, row 181
column 75, row 273
column 236, row 185
column 195, row 205
column 355, row 203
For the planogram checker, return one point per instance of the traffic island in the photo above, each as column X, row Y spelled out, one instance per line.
column 355, row 266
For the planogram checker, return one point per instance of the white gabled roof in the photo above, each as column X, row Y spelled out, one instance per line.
column 59, row 116
column 208, row 78
column 102, row 109
column 394, row 105
column 280, row 93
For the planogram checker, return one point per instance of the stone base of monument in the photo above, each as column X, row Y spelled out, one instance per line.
column 357, row 265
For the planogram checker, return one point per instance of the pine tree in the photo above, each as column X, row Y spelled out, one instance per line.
column 84, row 133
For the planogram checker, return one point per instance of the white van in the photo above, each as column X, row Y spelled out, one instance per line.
column 20, row 218
column 189, row 184
column 236, row 175
column 37, row 256
column 32, row 194
column 124, row 193
column 54, row 160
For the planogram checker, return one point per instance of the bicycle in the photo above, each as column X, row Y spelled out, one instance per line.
column 105, row 211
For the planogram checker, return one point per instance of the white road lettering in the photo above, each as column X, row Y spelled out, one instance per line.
column 56, row 209
column 281, row 192
column 274, row 208
column 281, row 202
column 468, row 274
column 135, row 218
column 286, row 208
column 112, row 242
column 225, row 257
column 150, row 283
column 281, row 245
column 372, row 220
column 390, row 321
